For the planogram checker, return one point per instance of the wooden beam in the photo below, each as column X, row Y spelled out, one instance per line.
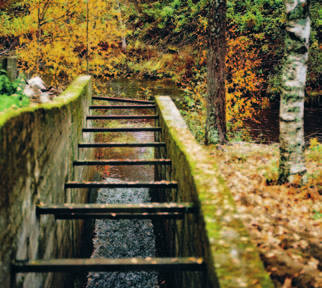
column 156, row 184
column 120, row 117
column 115, row 208
column 122, row 162
column 122, row 100
column 107, row 107
column 124, row 129
column 108, row 265
column 120, row 144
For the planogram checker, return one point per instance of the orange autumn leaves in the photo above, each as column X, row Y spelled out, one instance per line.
column 243, row 82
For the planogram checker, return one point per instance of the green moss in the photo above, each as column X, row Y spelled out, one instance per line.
column 37, row 146
column 74, row 91
column 222, row 228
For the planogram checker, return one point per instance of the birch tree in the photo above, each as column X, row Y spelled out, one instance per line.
column 292, row 91
column 215, row 131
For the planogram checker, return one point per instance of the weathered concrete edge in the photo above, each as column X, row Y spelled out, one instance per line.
column 232, row 259
column 73, row 91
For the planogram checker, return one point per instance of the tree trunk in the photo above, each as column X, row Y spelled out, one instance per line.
column 216, row 98
column 38, row 42
column 292, row 160
column 122, row 26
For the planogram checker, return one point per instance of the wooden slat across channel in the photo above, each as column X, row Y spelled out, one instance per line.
column 124, row 129
column 156, row 184
column 122, row 162
column 120, row 117
column 120, row 144
column 115, row 208
column 122, row 100
column 108, row 265
column 116, row 211
column 107, row 107
column 119, row 216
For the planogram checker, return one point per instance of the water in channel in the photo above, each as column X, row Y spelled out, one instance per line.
column 124, row 238
column 265, row 128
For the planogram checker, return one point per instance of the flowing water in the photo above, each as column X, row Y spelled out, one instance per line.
column 125, row 238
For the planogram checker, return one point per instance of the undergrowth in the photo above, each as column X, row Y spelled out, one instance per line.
column 11, row 93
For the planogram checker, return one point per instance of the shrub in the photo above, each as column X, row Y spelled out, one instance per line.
column 11, row 93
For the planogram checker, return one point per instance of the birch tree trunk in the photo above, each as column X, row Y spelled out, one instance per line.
column 292, row 160
column 215, row 131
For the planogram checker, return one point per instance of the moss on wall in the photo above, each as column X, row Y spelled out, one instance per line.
column 216, row 231
column 37, row 147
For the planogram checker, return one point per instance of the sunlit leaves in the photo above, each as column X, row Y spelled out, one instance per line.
column 243, row 82
column 62, row 46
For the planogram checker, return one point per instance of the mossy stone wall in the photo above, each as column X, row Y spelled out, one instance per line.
column 37, row 147
column 216, row 231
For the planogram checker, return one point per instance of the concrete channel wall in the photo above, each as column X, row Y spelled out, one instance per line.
column 37, row 147
column 216, row 231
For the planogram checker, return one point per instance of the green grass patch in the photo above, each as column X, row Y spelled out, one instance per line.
column 11, row 93
column 13, row 102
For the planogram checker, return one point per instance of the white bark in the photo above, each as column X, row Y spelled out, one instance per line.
column 292, row 92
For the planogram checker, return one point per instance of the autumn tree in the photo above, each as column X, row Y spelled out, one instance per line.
column 216, row 95
column 52, row 39
column 5, row 3
column 292, row 91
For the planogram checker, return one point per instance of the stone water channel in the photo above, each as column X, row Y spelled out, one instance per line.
column 124, row 238
column 136, row 238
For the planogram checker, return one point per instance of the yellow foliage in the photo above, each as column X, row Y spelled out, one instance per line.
column 60, row 49
column 243, row 82
column 314, row 143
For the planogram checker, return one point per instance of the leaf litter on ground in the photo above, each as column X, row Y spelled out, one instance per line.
column 284, row 221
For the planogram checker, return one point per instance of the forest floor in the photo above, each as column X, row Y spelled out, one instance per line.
column 283, row 221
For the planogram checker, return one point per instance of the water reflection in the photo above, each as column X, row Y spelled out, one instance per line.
column 124, row 238
column 266, row 131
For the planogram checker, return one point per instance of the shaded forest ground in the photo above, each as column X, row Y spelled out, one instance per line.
column 284, row 221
